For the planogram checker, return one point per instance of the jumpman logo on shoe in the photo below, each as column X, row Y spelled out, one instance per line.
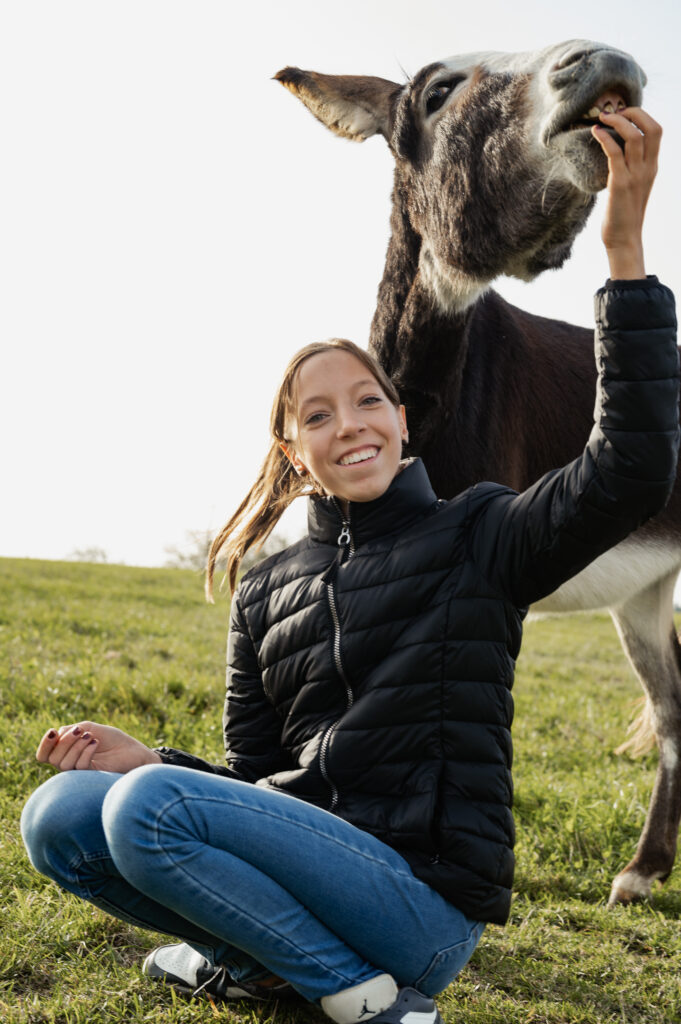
column 365, row 1009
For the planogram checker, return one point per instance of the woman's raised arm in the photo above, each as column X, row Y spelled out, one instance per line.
column 631, row 173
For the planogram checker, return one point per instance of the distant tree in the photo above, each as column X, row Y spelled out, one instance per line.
column 275, row 542
column 193, row 554
column 93, row 554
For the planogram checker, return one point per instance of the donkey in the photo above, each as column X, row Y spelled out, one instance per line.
column 496, row 173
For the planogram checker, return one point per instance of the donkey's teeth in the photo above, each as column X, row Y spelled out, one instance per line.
column 594, row 112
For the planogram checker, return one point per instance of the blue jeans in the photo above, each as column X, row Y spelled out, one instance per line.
column 254, row 879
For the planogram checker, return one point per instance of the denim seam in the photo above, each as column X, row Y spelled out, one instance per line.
column 285, row 939
column 282, row 937
column 438, row 957
column 77, row 862
column 85, row 892
column 290, row 821
column 86, row 858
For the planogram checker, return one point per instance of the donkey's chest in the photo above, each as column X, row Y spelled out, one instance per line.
column 627, row 569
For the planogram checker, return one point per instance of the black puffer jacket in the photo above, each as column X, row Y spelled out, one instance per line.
column 374, row 679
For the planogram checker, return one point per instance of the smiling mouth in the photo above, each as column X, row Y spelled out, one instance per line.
column 363, row 455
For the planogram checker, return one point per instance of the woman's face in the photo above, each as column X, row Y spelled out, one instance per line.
column 348, row 434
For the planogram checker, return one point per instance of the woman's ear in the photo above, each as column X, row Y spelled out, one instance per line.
column 292, row 456
column 402, row 413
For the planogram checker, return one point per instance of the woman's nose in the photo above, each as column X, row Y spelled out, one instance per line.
column 349, row 423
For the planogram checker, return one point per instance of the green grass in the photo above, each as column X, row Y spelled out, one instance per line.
column 139, row 648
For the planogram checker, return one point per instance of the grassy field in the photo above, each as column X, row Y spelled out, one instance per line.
column 140, row 649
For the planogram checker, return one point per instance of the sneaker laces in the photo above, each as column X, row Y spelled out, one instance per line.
column 221, row 978
column 219, row 982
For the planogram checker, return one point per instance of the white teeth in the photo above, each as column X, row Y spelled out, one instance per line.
column 366, row 453
column 607, row 107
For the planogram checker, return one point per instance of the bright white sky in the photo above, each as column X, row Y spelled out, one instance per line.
column 173, row 225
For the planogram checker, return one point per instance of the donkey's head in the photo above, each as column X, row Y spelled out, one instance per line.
column 496, row 166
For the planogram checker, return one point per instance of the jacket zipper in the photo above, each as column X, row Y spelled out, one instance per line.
column 345, row 538
column 345, row 543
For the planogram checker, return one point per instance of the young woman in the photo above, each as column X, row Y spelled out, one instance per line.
column 362, row 835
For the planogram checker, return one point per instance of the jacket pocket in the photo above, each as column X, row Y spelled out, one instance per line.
column 436, row 814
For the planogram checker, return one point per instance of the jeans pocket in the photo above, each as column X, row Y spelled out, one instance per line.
column 446, row 964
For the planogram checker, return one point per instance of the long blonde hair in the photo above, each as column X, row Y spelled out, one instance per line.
column 278, row 484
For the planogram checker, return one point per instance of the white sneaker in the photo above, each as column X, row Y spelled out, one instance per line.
column 410, row 1007
column 182, row 967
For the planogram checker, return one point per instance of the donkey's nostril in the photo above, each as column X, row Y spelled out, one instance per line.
column 570, row 58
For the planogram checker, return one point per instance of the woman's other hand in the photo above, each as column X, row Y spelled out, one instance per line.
column 631, row 173
column 97, row 747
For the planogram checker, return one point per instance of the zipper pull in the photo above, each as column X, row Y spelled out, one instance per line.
column 344, row 537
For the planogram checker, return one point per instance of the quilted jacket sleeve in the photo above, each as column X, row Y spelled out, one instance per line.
column 251, row 726
column 528, row 544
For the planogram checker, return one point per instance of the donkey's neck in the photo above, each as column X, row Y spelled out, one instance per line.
column 419, row 330
column 425, row 352
column 452, row 291
column 401, row 267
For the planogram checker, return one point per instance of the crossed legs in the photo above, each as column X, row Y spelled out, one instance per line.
column 254, row 879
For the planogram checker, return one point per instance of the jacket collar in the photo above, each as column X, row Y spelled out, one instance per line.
column 409, row 496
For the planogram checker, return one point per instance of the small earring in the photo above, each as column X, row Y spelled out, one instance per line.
column 297, row 466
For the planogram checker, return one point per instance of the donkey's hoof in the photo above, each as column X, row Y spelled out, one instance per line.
column 629, row 887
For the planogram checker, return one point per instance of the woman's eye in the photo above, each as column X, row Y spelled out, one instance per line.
column 437, row 94
column 370, row 400
column 316, row 417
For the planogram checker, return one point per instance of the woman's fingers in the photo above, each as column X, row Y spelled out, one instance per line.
column 46, row 745
column 640, row 133
column 87, row 753
column 611, row 148
column 641, row 119
column 68, row 735
column 75, row 746
column 71, row 746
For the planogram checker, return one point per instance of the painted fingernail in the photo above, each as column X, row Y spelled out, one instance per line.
column 93, row 740
column 86, row 735
column 77, row 731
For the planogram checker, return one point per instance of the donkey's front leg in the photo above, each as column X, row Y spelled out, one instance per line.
column 649, row 638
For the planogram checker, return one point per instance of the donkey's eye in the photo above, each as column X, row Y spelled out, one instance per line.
column 437, row 94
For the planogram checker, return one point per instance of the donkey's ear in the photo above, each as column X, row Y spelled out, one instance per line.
column 353, row 106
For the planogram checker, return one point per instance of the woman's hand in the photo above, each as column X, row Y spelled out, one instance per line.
column 98, row 747
column 631, row 173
